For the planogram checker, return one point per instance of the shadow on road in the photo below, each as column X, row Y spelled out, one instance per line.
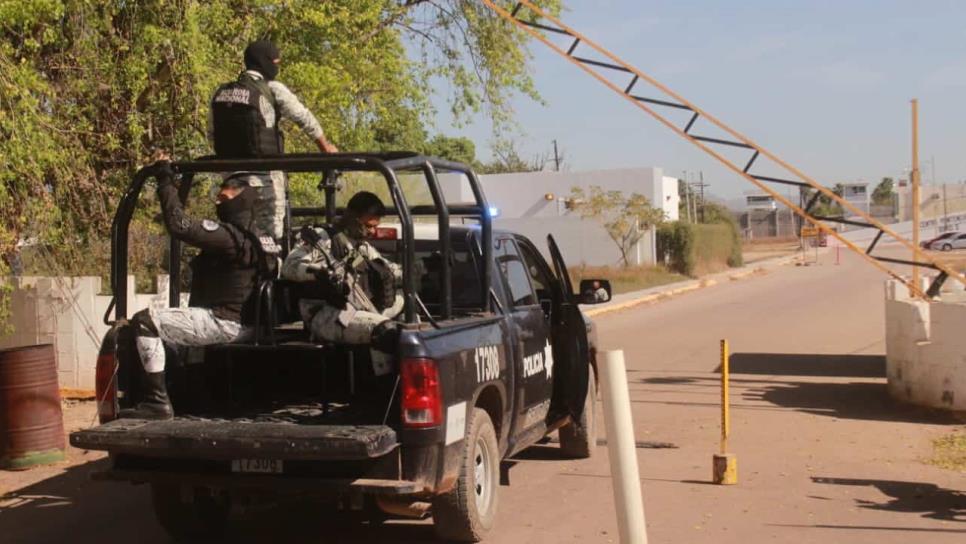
column 794, row 364
column 852, row 400
column 50, row 510
column 930, row 500
column 71, row 507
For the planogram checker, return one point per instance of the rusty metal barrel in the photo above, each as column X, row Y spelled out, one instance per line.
column 31, row 420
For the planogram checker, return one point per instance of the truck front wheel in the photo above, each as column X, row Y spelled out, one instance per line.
column 203, row 518
column 467, row 512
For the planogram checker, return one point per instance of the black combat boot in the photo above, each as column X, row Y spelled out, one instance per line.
column 156, row 404
column 385, row 337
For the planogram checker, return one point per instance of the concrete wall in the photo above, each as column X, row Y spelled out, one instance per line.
column 69, row 313
column 926, row 348
column 533, row 203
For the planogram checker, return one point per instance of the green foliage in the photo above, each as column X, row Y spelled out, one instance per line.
column 90, row 88
column 720, row 215
column 884, row 193
column 824, row 206
column 455, row 149
column 626, row 218
column 695, row 249
column 675, row 245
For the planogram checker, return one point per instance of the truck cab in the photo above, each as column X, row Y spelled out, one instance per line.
column 494, row 355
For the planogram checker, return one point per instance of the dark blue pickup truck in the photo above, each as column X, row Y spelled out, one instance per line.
column 494, row 356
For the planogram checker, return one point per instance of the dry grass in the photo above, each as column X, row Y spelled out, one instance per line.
column 627, row 279
column 950, row 452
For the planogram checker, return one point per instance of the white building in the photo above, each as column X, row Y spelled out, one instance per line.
column 760, row 201
column 534, row 204
column 857, row 194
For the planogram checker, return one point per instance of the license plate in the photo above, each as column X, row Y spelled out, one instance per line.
column 257, row 466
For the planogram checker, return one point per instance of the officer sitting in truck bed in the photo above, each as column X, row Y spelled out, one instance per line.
column 350, row 292
column 225, row 273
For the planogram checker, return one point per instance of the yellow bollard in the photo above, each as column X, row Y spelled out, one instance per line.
column 725, row 465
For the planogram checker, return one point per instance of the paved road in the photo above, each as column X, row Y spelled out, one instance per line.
column 823, row 455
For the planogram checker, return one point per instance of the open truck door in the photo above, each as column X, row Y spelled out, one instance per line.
column 571, row 352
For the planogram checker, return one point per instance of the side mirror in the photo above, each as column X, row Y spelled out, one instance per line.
column 594, row 291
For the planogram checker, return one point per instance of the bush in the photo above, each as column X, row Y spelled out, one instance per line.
column 695, row 249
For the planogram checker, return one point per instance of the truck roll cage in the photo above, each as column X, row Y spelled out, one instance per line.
column 387, row 164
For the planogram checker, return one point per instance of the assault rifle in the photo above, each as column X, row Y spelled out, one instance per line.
column 339, row 276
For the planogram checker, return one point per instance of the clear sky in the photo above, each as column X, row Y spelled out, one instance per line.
column 824, row 84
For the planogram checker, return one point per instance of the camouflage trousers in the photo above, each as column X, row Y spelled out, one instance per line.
column 272, row 191
column 343, row 326
column 185, row 327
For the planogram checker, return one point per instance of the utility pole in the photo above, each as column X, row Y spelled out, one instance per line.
column 556, row 156
column 914, row 175
column 687, row 194
column 701, row 185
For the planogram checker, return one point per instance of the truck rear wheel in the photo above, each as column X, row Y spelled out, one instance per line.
column 466, row 513
column 578, row 439
column 204, row 518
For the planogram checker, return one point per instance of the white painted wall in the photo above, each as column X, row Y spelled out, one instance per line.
column 69, row 313
column 926, row 348
column 532, row 203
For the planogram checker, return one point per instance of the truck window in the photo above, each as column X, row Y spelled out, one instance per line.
column 514, row 272
column 539, row 275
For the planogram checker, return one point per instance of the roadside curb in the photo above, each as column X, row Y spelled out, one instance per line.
column 663, row 292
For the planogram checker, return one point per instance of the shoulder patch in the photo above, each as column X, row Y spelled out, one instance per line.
column 209, row 225
column 268, row 245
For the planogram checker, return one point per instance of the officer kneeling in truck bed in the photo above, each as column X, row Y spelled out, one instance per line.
column 224, row 276
column 350, row 293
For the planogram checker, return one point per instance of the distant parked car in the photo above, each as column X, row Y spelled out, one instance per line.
column 953, row 242
column 936, row 243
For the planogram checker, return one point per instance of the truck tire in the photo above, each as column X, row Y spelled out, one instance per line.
column 578, row 439
column 466, row 513
column 202, row 520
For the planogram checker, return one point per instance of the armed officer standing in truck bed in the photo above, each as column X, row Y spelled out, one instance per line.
column 243, row 122
column 224, row 276
column 350, row 291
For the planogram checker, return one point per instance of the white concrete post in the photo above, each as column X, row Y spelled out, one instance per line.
column 622, row 450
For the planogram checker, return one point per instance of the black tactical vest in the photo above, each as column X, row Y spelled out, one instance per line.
column 245, row 119
column 228, row 285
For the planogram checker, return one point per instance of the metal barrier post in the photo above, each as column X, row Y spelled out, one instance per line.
column 622, row 450
column 725, row 465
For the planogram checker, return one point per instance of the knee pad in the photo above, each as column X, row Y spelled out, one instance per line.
column 144, row 326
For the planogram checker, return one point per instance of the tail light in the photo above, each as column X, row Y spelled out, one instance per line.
column 105, row 382
column 422, row 405
column 386, row 233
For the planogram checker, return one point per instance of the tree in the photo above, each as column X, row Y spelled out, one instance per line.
column 88, row 90
column 824, row 205
column 454, row 149
column 884, row 193
column 507, row 160
column 626, row 218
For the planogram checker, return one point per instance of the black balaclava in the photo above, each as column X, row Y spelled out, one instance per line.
column 260, row 56
column 238, row 211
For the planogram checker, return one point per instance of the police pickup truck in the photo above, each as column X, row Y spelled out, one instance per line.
column 494, row 355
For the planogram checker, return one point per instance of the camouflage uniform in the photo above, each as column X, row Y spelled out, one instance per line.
column 346, row 324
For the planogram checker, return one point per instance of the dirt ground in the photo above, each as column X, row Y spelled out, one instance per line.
column 760, row 250
column 77, row 415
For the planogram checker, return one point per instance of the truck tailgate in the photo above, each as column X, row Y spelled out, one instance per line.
column 226, row 439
